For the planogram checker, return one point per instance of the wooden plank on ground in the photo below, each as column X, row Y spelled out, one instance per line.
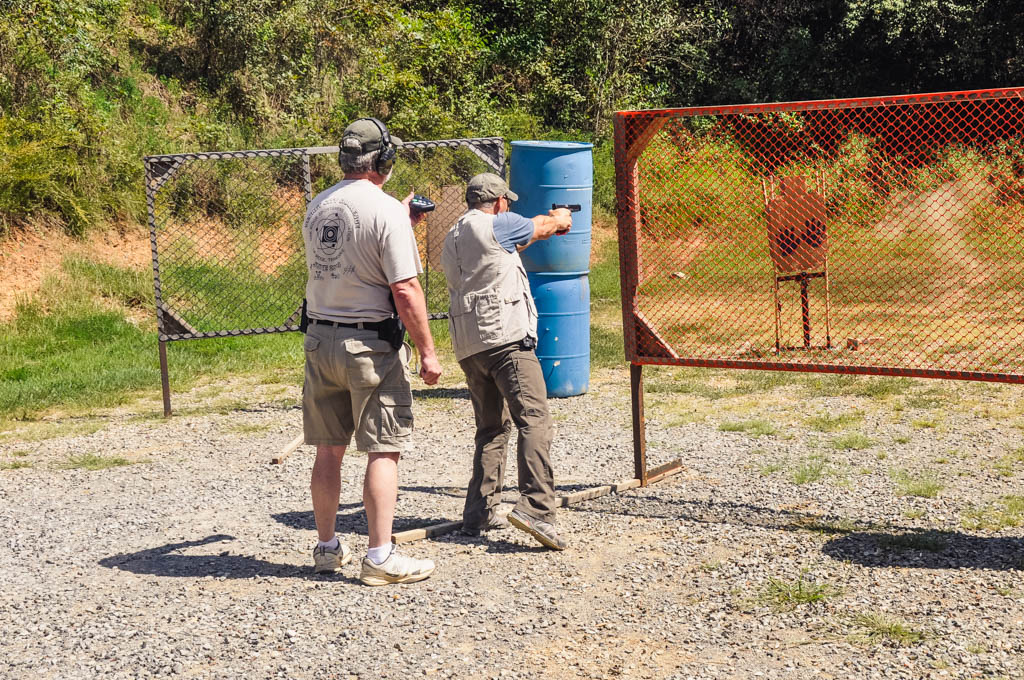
column 662, row 471
column 425, row 532
column 657, row 473
column 286, row 451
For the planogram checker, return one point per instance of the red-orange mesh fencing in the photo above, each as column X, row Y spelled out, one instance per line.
column 879, row 235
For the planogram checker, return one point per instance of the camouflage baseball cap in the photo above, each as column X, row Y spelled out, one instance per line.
column 486, row 187
column 363, row 136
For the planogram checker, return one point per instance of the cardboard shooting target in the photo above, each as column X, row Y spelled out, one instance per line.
column 797, row 237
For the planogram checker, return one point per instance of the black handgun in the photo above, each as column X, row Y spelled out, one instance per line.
column 421, row 204
column 571, row 207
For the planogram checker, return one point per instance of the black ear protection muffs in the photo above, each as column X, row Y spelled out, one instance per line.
column 388, row 150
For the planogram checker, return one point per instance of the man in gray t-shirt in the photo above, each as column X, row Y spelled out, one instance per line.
column 362, row 268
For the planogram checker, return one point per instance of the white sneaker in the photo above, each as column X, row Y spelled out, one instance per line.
column 326, row 561
column 395, row 569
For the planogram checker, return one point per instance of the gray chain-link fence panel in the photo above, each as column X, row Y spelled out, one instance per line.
column 226, row 229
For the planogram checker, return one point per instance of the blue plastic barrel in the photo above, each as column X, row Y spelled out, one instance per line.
column 563, row 329
column 546, row 173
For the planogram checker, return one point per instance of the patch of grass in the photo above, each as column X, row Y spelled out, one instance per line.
column 1006, row 465
column 93, row 461
column 923, row 401
column 248, row 428
column 14, row 465
column 925, row 423
column 914, row 513
column 755, row 428
column 41, row 430
column 784, row 595
column 21, row 453
column 708, row 567
column 942, row 460
column 1004, row 513
column 606, row 347
column 976, row 648
column 881, row 455
column 810, row 469
column 829, row 423
column 769, row 469
column 876, row 628
column 880, row 388
column 852, row 441
column 77, row 344
column 902, row 439
column 924, row 485
column 930, row 541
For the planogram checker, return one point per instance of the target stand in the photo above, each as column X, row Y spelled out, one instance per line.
column 798, row 246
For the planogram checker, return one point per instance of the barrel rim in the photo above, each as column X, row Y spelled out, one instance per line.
column 551, row 144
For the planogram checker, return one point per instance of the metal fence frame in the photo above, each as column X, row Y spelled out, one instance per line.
column 160, row 169
column 634, row 131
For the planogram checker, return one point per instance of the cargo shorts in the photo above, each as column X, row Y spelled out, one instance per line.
column 358, row 384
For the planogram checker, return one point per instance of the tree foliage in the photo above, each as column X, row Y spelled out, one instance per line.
column 89, row 86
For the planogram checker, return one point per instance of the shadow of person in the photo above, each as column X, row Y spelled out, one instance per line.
column 347, row 523
column 924, row 549
column 441, row 393
column 353, row 523
column 172, row 560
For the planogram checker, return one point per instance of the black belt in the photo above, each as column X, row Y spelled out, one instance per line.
column 365, row 325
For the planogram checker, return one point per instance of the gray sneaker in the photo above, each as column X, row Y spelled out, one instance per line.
column 395, row 569
column 325, row 561
column 542, row 531
column 497, row 524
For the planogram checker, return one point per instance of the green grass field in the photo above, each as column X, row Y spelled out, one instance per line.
column 88, row 338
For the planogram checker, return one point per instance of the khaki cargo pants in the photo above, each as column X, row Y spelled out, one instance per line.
column 507, row 386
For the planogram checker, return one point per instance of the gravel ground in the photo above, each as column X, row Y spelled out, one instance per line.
column 779, row 551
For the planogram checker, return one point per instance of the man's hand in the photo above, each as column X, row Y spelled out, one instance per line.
column 563, row 220
column 557, row 221
column 430, row 369
column 414, row 217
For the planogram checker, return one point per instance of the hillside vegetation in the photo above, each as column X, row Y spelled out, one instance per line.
column 87, row 87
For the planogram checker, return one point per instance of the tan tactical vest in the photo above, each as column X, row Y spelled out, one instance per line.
column 490, row 302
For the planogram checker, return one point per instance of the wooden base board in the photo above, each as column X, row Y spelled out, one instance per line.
column 655, row 475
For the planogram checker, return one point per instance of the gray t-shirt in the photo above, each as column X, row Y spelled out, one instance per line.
column 358, row 241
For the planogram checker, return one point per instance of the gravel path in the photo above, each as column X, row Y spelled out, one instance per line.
column 783, row 549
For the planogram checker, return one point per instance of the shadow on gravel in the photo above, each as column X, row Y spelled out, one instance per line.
column 168, row 560
column 860, row 542
column 303, row 519
column 928, row 550
column 441, row 393
column 351, row 523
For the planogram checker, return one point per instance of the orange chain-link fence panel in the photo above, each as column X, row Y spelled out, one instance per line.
column 875, row 236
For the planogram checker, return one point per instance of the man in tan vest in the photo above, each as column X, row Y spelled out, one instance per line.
column 493, row 324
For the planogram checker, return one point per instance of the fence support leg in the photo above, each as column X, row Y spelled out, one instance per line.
column 805, row 311
column 636, row 390
column 165, row 379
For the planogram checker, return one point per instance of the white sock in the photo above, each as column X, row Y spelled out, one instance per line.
column 381, row 553
column 330, row 545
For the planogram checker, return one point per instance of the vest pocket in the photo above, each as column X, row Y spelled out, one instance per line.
column 490, row 317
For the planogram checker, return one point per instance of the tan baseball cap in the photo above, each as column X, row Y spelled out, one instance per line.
column 363, row 136
column 486, row 187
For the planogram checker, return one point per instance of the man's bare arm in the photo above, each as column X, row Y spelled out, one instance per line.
column 412, row 309
column 545, row 226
